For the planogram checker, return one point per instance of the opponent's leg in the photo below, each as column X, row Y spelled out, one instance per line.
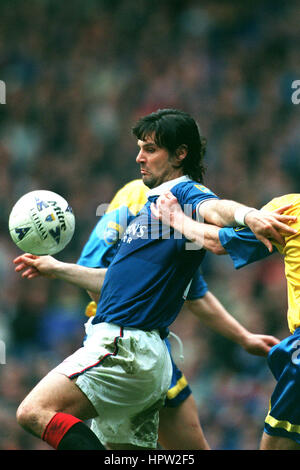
column 54, row 411
column 277, row 443
column 179, row 427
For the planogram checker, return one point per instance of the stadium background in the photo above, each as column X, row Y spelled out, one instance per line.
column 77, row 77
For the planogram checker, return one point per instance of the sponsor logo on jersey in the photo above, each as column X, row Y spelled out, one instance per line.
column 202, row 188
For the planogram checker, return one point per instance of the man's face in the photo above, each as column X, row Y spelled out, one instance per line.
column 156, row 164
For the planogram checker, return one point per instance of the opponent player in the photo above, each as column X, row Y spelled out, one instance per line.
column 282, row 423
column 122, row 373
column 179, row 426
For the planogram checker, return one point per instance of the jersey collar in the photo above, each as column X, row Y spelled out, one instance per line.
column 167, row 186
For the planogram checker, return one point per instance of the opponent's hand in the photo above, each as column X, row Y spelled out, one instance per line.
column 259, row 345
column 268, row 226
column 31, row 266
column 167, row 209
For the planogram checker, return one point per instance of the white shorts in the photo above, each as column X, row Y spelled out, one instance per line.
column 125, row 373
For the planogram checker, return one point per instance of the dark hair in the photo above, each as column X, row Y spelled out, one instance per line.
column 173, row 128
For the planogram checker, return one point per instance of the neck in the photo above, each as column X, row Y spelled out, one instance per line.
column 170, row 176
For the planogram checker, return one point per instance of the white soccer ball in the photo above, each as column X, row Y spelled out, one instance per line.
column 41, row 223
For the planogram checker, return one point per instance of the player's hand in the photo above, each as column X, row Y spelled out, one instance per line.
column 31, row 266
column 259, row 345
column 281, row 209
column 269, row 226
column 167, row 208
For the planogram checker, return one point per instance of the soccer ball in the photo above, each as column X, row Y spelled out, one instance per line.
column 41, row 223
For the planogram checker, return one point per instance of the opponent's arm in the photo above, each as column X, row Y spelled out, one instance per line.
column 205, row 235
column 213, row 314
column 31, row 266
column 265, row 225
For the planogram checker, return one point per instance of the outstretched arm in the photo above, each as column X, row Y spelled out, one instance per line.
column 213, row 314
column 265, row 225
column 32, row 266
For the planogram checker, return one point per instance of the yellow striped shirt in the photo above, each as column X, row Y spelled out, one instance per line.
column 291, row 253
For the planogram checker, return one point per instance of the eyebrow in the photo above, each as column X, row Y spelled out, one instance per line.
column 146, row 144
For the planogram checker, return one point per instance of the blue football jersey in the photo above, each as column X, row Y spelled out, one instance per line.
column 104, row 239
column 243, row 246
column 102, row 245
column 198, row 287
column 149, row 275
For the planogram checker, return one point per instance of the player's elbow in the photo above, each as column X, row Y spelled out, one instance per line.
column 215, row 247
column 219, row 250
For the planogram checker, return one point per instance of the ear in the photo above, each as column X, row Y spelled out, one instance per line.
column 181, row 152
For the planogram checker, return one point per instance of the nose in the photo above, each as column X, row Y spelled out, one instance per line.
column 140, row 157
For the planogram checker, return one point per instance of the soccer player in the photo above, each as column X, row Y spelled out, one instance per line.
column 179, row 426
column 282, row 423
column 121, row 374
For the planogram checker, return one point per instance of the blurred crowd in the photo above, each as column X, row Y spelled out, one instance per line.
column 77, row 77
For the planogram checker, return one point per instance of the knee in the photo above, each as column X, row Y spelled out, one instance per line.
column 26, row 415
column 33, row 416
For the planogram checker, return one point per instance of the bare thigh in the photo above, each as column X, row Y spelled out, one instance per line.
column 277, row 443
column 54, row 393
column 179, row 427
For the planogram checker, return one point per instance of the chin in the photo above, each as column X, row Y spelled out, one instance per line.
column 148, row 182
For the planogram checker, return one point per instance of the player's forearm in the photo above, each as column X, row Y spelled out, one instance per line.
column 90, row 279
column 204, row 235
column 223, row 213
column 211, row 312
